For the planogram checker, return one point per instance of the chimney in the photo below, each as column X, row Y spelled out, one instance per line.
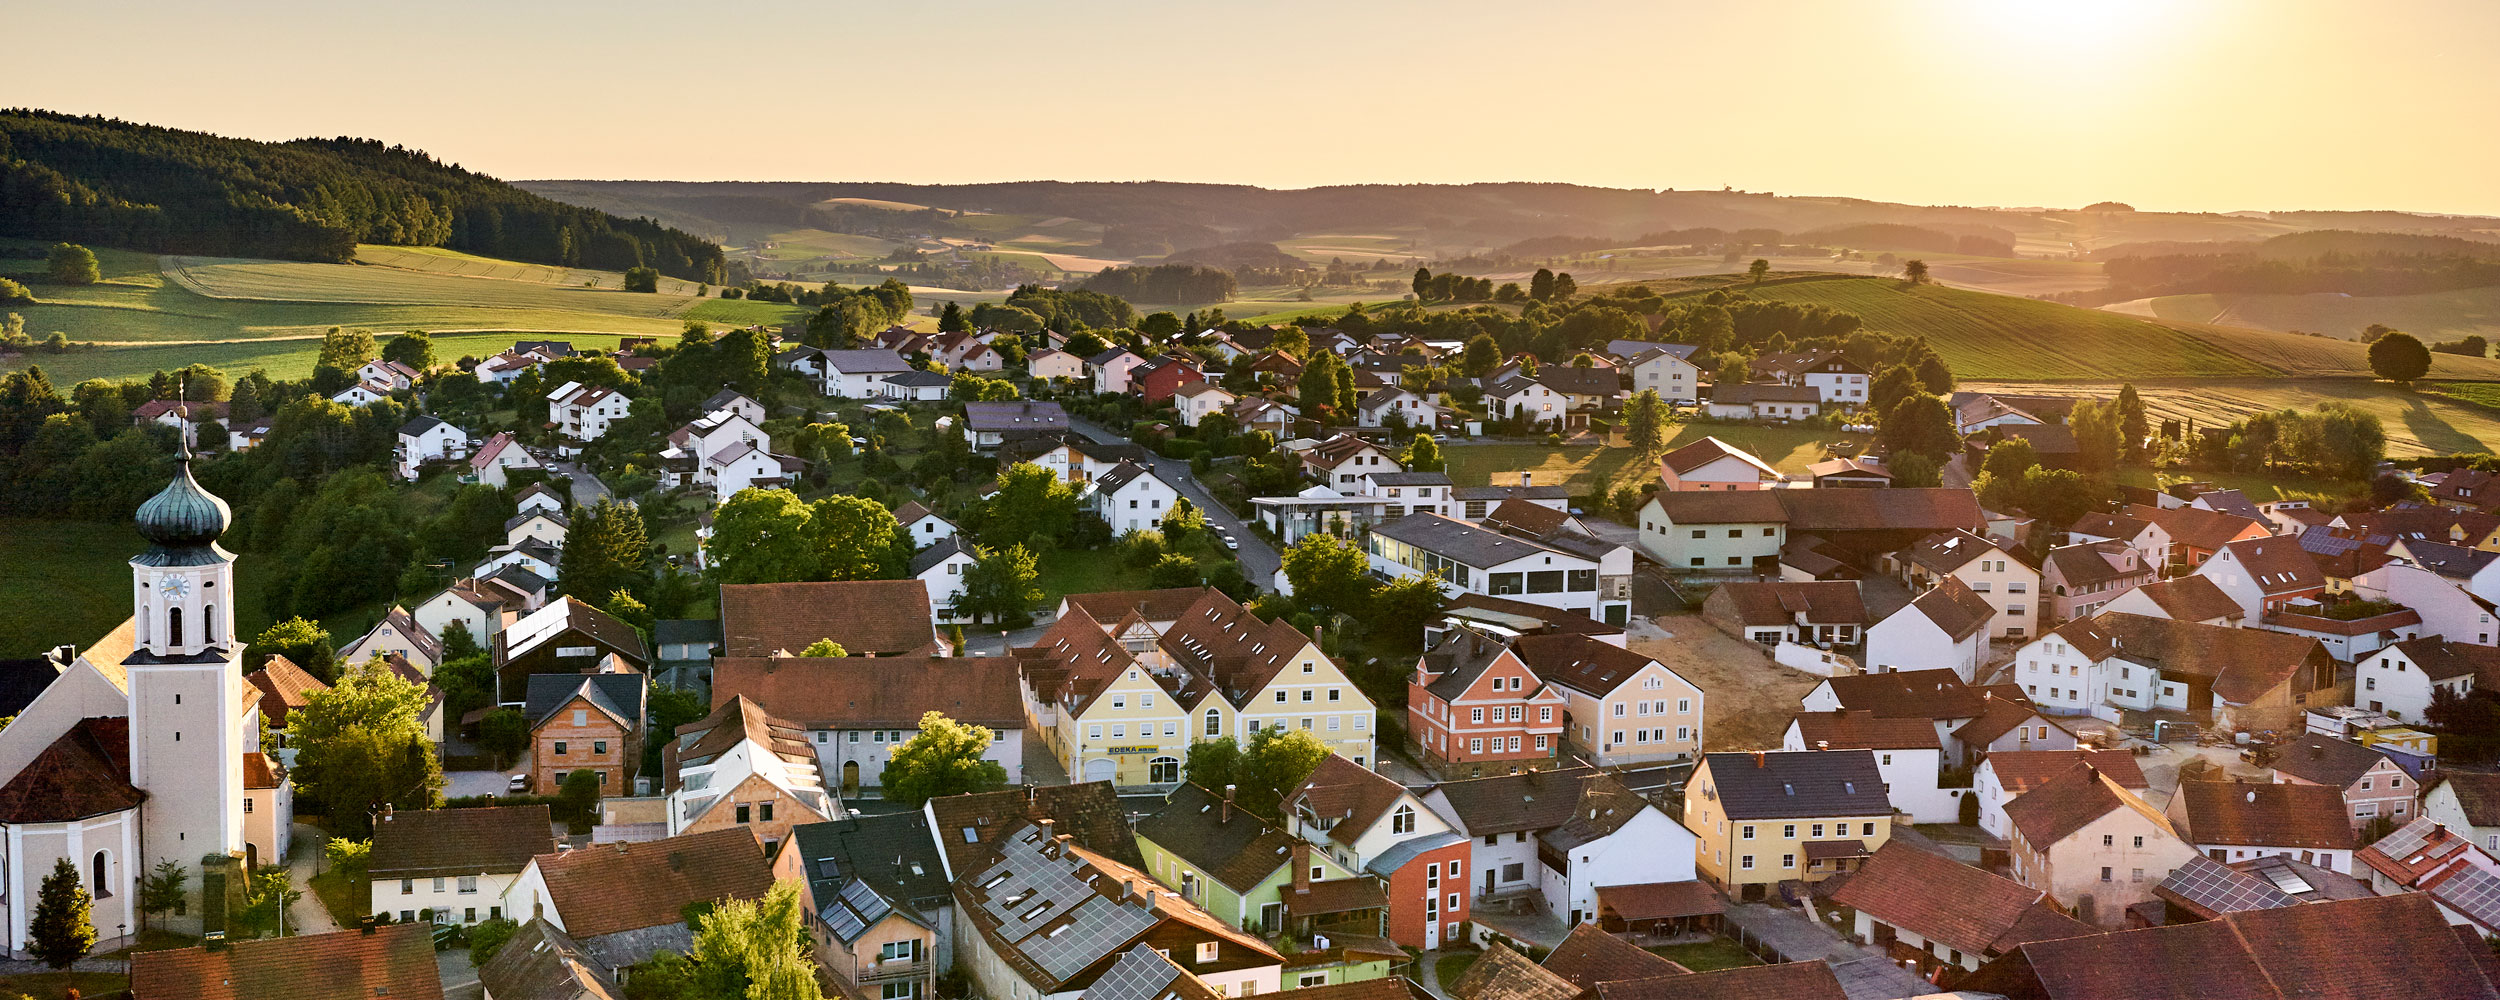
column 1228, row 802
column 1029, row 792
column 1822, row 744
column 1523, row 478
column 1757, row 759
column 1301, row 867
column 386, row 812
column 1045, row 823
column 1128, row 889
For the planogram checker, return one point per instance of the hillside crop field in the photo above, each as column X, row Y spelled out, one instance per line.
column 2416, row 423
column 2432, row 315
column 155, row 312
column 1989, row 336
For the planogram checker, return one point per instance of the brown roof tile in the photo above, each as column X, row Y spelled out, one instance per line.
column 2280, row 953
column 1231, row 844
column 2279, row 565
column 283, row 686
column 1723, row 506
column 2243, row 664
column 1711, row 449
column 1385, row 988
column 606, row 888
column 489, row 839
column 1778, row 602
column 2062, row 805
column 396, row 961
column 1842, row 729
column 2441, row 659
column 2272, row 815
column 1589, row 955
column 1943, row 899
column 1349, row 794
column 1925, row 509
column 868, row 617
column 1526, row 517
column 1587, row 665
column 2196, row 527
column 1955, row 608
column 2191, row 599
column 2020, row 771
column 1935, row 693
column 2001, row 716
column 1530, row 800
column 86, row 772
column 1503, row 974
column 258, row 773
column 2325, row 760
column 1091, row 812
column 884, row 692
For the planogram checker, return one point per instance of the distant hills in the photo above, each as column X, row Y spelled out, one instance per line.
column 143, row 187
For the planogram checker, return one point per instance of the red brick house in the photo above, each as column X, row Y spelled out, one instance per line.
column 1158, row 379
column 585, row 722
column 1475, row 709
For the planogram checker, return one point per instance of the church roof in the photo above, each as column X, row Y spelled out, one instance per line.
column 84, row 773
column 183, row 521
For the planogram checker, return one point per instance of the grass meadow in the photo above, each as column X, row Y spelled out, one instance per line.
column 2417, row 423
column 69, row 582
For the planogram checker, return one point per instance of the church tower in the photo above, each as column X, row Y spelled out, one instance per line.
column 187, row 734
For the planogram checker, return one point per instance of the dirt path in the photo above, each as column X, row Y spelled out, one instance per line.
column 1748, row 699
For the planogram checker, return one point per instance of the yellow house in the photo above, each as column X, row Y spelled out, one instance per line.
column 1766, row 817
column 1128, row 680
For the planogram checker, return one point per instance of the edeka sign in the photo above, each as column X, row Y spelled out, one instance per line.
column 1121, row 750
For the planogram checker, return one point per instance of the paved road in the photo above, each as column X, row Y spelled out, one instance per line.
column 587, row 489
column 307, row 916
column 1259, row 561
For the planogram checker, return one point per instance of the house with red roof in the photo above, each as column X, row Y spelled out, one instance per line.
column 1712, row 464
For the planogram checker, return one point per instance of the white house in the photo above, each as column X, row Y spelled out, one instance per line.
column 1908, row 753
column 540, row 498
column 425, row 439
column 362, row 394
column 1712, row 464
column 689, row 459
column 1764, row 401
column 582, row 413
column 538, row 523
column 2264, row 575
column 2467, row 802
column 2398, row 681
column 745, row 465
column 2234, row 821
column 390, row 376
column 925, row 526
column 1521, row 396
column 1200, row 400
column 506, row 368
column 1666, row 368
column 1341, row 460
column 1131, row 497
column 1995, row 570
column 1945, row 627
column 1614, row 837
column 2447, row 609
column 453, row 866
column 1414, row 409
column 918, row 386
column 735, row 402
column 500, row 454
column 942, row 568
column 1409, row 492
column 1574, row 573
column 1053, row 363
column 861, row 374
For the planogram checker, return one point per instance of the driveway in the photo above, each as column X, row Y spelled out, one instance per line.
column 1259, row 561
column 587, row 489
column 463, row 784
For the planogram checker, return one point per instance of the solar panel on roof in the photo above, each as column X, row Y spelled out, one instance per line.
column 2209, row 884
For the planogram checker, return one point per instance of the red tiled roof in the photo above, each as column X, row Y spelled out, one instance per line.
column 2049, row 813
column 442, row 842
column 1711, row 449
column 885, row 692
column 283, row 686
column 2198, row 528
column 1352, row 795
column 1152, row 605
column 394, row 961
column 606, row 888
column 257, row 772
column 2020, row 771
column 86, row 772
column 1942, row 899
column 2369, row 947
column 1658, row 900
column 1824, row 602
column 2191, row 599
column 1791, row 981
column 2272, row 815
column 2279, row 565
column 868, row 617
column 2242, row 663
column 1589, row 955
column 1842, row 729
column 1503, row 974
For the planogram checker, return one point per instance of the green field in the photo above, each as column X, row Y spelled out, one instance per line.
column 2416, row 423
column 69, row 583
column 1989, row 336
column 2432, row 316
column 164, row 312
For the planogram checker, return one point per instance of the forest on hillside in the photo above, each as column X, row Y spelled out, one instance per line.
column 142, row 187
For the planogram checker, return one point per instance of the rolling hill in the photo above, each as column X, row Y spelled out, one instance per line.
column 115, row 183
column 1987, row 336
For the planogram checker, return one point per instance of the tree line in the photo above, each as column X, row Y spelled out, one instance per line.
column 122, row 184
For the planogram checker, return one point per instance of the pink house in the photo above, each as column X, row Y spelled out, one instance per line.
column 2082, row 578
column 2373, row 785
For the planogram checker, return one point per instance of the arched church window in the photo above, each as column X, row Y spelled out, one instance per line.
column 173, row 626
column 103, row 887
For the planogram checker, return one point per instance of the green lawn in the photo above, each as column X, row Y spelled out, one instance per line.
column 69, row 583
column 284, row 358
column 1452, row 966
column 2261, row 487
column 1716, row 953
column 1082, row 571
column 347, row 899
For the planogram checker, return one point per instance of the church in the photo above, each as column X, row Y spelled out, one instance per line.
column 145, row 748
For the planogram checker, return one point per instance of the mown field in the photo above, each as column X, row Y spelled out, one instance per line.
column 2417, row 423
column 1989, row 336
column 2434, row 315
column 166, row 312
column 69, row 582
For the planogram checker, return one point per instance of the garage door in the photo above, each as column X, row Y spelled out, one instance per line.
column 1101, row 769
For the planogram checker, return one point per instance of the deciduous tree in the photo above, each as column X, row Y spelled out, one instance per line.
column 2399, row 357
column 1002, row 584
column 1759, row 270
column 71, row 264
column 1328, row 572
column 945, row 758
column 1645, row 421
column 1921, row 424
column 360, row 745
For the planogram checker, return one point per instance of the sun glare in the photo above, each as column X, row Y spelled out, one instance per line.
column 2069, row 24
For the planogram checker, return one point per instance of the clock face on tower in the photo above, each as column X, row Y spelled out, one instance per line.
column 174, row 586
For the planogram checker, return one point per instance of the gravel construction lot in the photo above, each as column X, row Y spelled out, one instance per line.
column 1749, row 699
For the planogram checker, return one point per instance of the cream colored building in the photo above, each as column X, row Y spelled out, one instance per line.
column 1999, row 576
column 2094, row 847
column 1621, row 707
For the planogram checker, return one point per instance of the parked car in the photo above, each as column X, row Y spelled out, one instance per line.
column 520, row 783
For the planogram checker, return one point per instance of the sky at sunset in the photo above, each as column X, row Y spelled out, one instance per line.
column 2211, row 105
